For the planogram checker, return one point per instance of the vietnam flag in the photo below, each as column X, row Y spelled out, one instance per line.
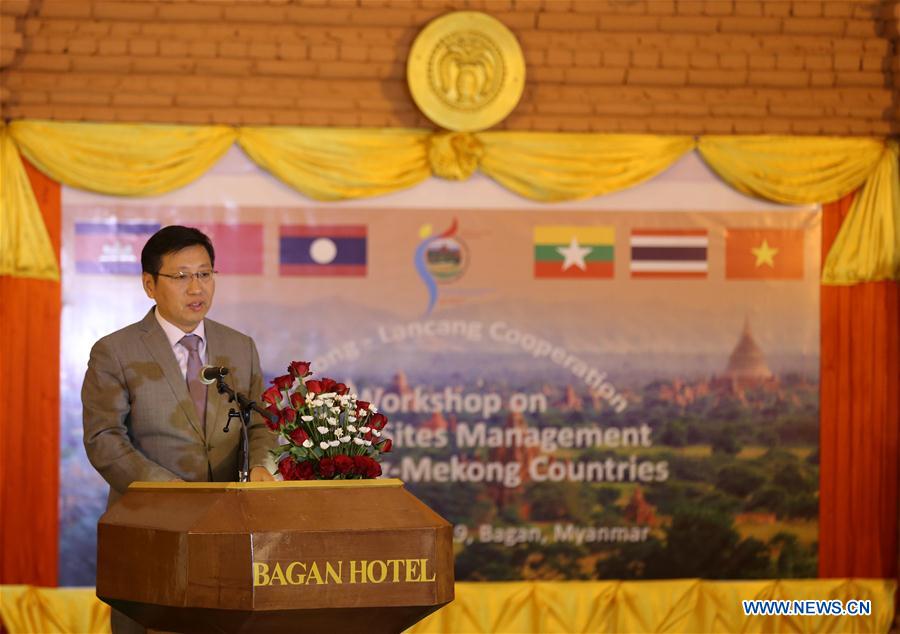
column 756, row 254
column 574, row 252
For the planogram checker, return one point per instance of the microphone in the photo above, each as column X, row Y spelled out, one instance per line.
column 209, row 374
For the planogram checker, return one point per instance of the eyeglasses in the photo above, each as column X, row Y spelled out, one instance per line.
column 184, row 279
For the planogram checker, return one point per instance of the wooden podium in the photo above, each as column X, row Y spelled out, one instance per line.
column 314, row 556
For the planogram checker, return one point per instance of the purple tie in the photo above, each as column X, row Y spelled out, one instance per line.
column 195, row 387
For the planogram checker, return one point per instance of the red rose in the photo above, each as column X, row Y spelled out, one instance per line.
column 361, row 464
column 283, row 382
column 341, row 389
column 373, row 470
column 385, row 446
column 297, row 400
column 378, row 421
column 343, row 464
column 328, row 385
column 368, row 436
column 272, row 396
column 362, row 406
column 305, row 471
column 274, row 425
column 299, row 368
column 289, row 415
column 286, row 468
column 314, row 387
column 298, row 436
column 366, row 467
column 326, row 467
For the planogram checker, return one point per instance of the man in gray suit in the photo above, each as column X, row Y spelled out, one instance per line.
column 146, row 415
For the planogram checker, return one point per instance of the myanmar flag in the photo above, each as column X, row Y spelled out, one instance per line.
column 574, row 252
column 756, row 254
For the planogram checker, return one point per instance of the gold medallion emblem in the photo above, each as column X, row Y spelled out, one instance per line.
column 466, row 71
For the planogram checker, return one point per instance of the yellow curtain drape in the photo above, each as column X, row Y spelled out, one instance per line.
column 797, row 170
column 344, row 163
column 552, row 167
column 867, row 248
column 25, row 248
column 682, row 605
column 122, row 159
column 792, row 170
column 339, row 163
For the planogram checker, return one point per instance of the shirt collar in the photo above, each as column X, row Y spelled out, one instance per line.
column 174, row 333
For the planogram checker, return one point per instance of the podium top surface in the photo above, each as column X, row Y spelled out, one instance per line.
column 266, row 486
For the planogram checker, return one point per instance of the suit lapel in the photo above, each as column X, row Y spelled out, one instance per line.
column 159, row 348
column 215, row 355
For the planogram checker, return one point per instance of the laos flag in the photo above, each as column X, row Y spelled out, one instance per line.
column 322, row 250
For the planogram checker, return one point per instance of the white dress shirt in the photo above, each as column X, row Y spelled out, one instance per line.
column 174, row 335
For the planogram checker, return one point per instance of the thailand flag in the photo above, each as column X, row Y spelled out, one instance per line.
column 322, row 250
column 669, row 253
column 111, row 247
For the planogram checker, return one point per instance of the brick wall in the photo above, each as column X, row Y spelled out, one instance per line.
column 691, row 66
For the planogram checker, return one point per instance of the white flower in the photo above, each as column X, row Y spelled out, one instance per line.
column 317, row 402
column 306, row 419
column 323, row 445
column 351, row 419
column 329, row 395
column 373, row 409
column 322, row 430
column 334, row 443
column 365, row 429
column 351, row 429
column 308, row 443
column 368, row 443
column 377, row 433
column 359, row 441
column 332, row 421
column 344, row 439
column 335, row 410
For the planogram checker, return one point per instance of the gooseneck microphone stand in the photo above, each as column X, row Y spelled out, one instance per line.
column 245, row 406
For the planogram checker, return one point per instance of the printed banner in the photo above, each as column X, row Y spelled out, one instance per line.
column 583, row 395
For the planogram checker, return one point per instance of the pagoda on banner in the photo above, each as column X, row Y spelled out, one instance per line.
column 571, row 401
column 523, row 455
column 639, row 511
column 400, row 384
column 747, row 367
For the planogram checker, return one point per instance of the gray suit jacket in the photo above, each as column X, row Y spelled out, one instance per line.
column 140, row 422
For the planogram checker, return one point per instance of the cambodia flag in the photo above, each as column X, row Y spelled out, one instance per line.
column 322, row 250
column 111, row 247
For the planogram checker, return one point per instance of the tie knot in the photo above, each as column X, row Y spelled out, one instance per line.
column 191, row 342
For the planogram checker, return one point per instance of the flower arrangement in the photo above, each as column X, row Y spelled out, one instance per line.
column 327, row 434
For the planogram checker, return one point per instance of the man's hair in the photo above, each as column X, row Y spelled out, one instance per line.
column 169, row 240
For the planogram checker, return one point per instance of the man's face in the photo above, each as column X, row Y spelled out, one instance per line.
column 183, row 303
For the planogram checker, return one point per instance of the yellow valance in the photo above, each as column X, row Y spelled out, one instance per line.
column 25, row 247
column 679, row 605
column 341, row 163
